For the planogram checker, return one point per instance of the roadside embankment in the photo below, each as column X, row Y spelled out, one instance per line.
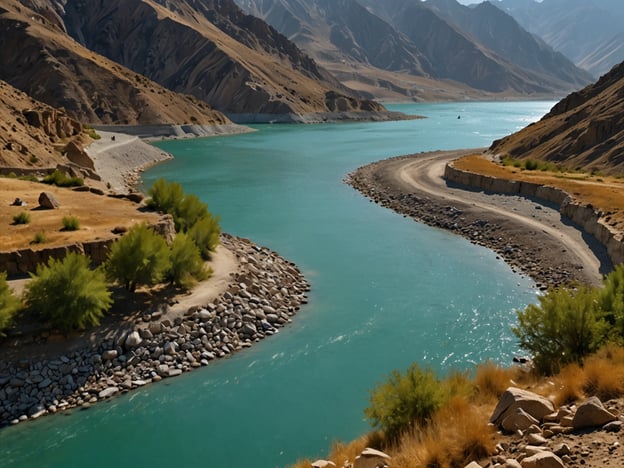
column 591, row 220
column 531, row 237
column 262, row 295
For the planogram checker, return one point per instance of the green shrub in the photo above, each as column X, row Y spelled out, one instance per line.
column 205, row 233
column 187, row 212
column 9, row 304
column 40, row 238
column 21, row 218
column 530, row 165
column 70, row 223
column 140, row 257
column 187, row 266
column 611, row 301
column 68, row 293
column 59, row 179
column 564, row 328
column 404, row 400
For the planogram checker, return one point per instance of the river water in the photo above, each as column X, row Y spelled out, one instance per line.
column 385, row 292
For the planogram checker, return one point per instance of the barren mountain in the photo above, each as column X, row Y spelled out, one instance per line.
column 583, row 131
column 210, row 49
column 590, row 33
column 404, row 39
column 34, row 135
column 40, row 59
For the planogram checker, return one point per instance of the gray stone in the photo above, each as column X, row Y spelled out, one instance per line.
column 591, row 413
column 133, row 340
column 108, row 392
column 249, row 329
column 543, row 460
column 371, row 458
column 169, row 348
column 322, row 464
column 44, row 383
column 109, row 355
column 48, row 201
column 517, row 420
column 535, row 405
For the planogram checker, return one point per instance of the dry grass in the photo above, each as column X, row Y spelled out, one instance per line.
column 569, row 385
column 604, row 193
column 458, row 434
column 492, row 380
column 603, row 378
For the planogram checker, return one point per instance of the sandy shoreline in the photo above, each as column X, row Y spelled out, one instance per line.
column 530, row 236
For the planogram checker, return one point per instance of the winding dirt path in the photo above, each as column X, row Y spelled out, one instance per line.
column 530, row 235
column 426, row 174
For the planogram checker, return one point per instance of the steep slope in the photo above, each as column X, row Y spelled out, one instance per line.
column 34, row 135
column 583, row 131
column 458, row 55
column 421, row 39
column 501, row 34
column 591, row 34
column 41, row 60
column 210, row 49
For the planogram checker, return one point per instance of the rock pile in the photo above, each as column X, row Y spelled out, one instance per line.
column 543, row 436
column 263, row 295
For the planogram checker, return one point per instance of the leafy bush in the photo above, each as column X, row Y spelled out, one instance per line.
column 140, row 257
column 403, row 400
column 59, row 179
column 21, row 218
column 70, row 223
column 187, row 266
column 9, row 304
column 611, row 300
column 190, row 214
column 68, row 293
column 565, row 327
column 205, row 233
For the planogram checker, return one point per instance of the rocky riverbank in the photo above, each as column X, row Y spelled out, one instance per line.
column 525, row 249
column 263, row 295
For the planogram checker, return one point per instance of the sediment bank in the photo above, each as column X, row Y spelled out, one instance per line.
column 261, row 297
column 519, row 231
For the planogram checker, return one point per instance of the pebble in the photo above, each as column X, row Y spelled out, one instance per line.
column 260, row 300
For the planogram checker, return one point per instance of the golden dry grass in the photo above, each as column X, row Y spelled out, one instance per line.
column 98, row 215
column 492, row 380
column 604, row 193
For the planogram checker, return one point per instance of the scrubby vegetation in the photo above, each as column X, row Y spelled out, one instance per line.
column 531, row 164
column 9, row 304
column 570, row 324
column 68, row 293
column 190, row 215
column 39, row 238
column 59, row 179
column 140, row 257
column 21, row 218
column 70, row 223
column 187, row 266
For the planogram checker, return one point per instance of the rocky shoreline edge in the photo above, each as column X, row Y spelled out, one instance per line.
column 263, row 295
column 515, row 247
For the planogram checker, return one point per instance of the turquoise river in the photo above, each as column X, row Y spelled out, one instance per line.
column 386, row 291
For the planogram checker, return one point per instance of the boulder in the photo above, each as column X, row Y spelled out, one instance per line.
column 371, row 458
column 109, row 355
column 133, row 340
column 48, row 201
column 543, row 460
column 591, row 413
column 473, row 465
column 322, row 464
column 517, row 419
column 108, row 392
column 514, row 398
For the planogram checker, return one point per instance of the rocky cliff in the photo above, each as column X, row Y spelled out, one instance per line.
column 210, row 49
column 584, row 131
column 38, row 58
column 34, row 135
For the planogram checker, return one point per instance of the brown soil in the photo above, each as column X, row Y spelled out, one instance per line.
column 98, row 215
column 603, row 192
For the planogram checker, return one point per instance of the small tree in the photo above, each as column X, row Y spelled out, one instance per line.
column 9, row 304
column 403, row 400
column 165, row 197
column 565, row 327
column 611, row 300
column 68, row 293
column 205, row 233
column 140, row 257
column 187, row 265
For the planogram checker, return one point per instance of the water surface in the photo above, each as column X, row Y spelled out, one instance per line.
column 386, row 292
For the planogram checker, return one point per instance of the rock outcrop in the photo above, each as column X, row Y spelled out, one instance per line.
column 582, row 131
